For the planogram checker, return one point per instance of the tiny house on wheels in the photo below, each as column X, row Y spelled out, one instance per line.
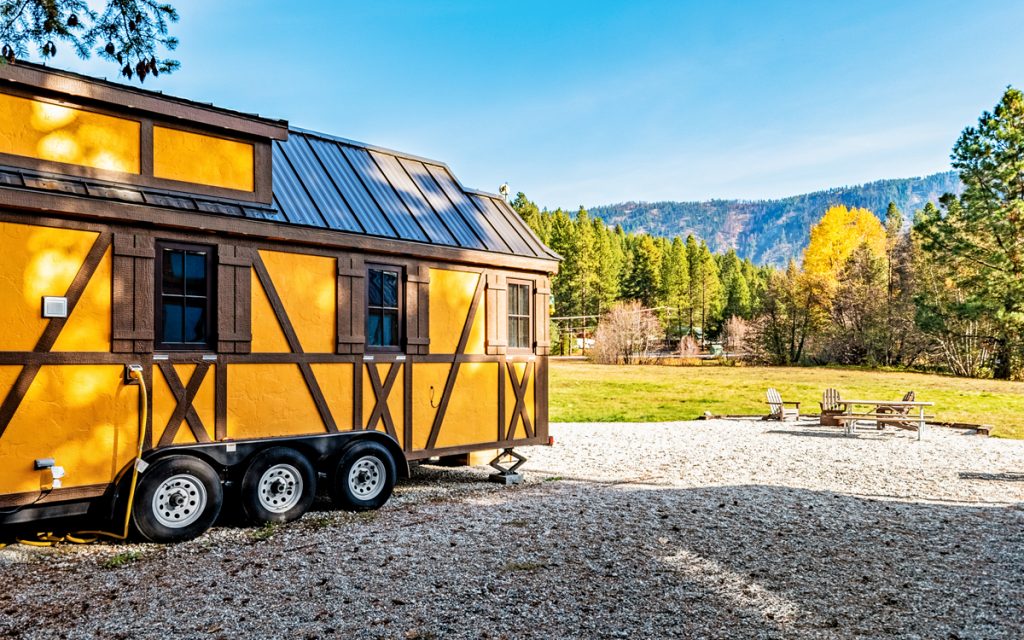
column 205, row 308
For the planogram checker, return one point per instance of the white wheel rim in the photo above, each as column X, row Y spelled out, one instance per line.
column 179, row 501
column 280, row 488
column 367, row 477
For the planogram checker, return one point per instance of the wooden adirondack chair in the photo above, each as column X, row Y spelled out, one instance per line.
column 777, row 408
column 830, row 408
column 898, row 411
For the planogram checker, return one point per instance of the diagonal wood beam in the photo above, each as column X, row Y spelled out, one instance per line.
column 53, row 329
column 184, row 411
column 381, row 391
column 453, row 373
column 293, row 343
column 520, row 412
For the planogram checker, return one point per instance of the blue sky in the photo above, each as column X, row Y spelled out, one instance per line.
column 600, row 102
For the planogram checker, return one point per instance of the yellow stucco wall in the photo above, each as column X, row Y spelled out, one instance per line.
column 451, row 295
column 266, row 400
column 267, row 335
column 88, row 326
column 308, row 288
column 164, row 403
column 36, row 262
column 336, row 384
column 201, row 159
column 472, row 415
column 46, row 131
column 82, row 416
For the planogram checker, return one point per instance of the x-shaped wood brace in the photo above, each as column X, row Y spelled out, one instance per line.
column 381, row 391
column 184, row 411
column 520, row 412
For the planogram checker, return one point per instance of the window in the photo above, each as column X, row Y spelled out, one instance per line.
column 383, row 308
column 184, row 296
column 519, row 325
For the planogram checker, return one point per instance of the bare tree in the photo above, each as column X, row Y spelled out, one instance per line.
column 627, row 334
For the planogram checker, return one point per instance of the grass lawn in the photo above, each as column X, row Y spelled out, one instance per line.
column 584, row 392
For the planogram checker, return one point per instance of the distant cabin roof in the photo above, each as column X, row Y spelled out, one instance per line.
column 325, row 181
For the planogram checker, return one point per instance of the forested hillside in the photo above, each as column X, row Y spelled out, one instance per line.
column 770, row 232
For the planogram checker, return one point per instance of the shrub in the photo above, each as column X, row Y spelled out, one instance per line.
column 627, row 334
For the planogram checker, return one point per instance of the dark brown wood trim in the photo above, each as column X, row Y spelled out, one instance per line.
column 357, row 394
column 382, row 391
column 129, row 213
column 407, row 416
column 453, row 373
column 184, row 411
column 519, row 388
column 53, row 328
column 540, row 398
column 318, row 397
column 220, row 420
column 501, row 399
column 57, row 495
column 420, row 454
column 92, row 91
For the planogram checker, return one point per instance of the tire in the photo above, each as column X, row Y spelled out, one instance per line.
column 178, row 499
column 364, row 477
column 279, row 486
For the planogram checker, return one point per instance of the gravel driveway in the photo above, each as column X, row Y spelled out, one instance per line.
column 696, row 529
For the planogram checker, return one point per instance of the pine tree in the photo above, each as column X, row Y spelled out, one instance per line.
column 693, row 262
column 644, row 280
column 736, row 291
column 675, row 281
column 709, row 291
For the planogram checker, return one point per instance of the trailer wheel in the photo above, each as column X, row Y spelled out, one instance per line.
column 364, row 477
column 278, row 486
column 178, row 498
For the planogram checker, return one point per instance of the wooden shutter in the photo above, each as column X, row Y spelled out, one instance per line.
column 541, row 313
column 133, row 290
column 351, row 304
column 234, row 299
column 417, row 310
column 496, row 301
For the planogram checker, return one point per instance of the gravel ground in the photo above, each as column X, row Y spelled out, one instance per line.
column 698, row 529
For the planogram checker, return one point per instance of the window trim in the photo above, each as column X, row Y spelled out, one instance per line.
column 210, row 344
column 529, row 284
column 400, row 347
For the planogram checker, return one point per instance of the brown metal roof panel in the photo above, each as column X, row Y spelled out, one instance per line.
column 318, row 185
column 522, row 228
column 344, row 177
column 417, row 204
column 289, row 194
column 441, row 204
column 383, row 193
column 502, row 226
column 475, row 218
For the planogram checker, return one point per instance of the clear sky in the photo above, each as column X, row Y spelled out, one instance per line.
column 599, row 102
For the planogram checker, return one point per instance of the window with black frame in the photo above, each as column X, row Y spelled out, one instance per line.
column 519, row 318
column 383, row 308
column 184, row 296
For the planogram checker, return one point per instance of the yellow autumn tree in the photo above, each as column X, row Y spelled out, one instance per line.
column 834, row 238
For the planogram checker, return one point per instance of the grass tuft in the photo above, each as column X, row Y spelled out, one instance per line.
column 121, row 559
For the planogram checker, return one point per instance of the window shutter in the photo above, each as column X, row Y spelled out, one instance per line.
column 497, row 314
column 234, row 299
column 541, row 313
column 351, row 305
column 133, row 290
column 417, row 310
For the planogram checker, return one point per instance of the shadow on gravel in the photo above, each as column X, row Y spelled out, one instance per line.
column 863, row 433
column 995, row 477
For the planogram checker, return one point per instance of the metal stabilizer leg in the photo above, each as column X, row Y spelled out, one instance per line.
column 509, row 475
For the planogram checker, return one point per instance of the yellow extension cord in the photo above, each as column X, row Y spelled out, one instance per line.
column 49, row 539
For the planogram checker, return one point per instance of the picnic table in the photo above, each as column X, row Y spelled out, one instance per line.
column 895, row 412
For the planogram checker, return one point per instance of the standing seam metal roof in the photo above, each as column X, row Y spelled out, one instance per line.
column 333, row 183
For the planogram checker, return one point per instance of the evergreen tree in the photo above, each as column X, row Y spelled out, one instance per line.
column 675, row 281
column 693, row 263
column 736, row 291
column 644, row 280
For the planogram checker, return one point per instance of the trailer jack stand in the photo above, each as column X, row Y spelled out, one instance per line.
column 507, row 476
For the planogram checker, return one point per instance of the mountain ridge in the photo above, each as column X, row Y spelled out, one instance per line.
column 771, row 231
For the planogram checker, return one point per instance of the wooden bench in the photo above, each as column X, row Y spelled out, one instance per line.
column 896, row 413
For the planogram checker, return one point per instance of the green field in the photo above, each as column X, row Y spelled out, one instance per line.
column 584, row 392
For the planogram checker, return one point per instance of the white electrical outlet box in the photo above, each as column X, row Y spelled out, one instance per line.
column 55, row 307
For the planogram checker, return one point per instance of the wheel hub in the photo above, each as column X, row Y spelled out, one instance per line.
column 280, row 488
column 179, row 501
column 367, row 478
